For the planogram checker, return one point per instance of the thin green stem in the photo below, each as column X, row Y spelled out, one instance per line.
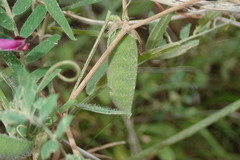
column 92, row 52
column 189, row 131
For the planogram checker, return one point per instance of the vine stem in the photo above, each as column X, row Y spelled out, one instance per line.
column 125, row 29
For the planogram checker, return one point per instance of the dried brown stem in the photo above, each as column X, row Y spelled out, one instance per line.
column 125, row 12
column 165, row 12
column 71, row 140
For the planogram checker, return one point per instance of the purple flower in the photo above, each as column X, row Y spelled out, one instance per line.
column 16, row 44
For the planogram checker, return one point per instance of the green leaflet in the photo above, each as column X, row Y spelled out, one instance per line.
column 26, row 92
column 122, row 74
column 44, row 82
column 95, row 78
column 13, row 148
column 39, row 73
column 46, row 106
column 48, row 148
column 12, row 61
column 11, row 117
column 99, row 109
column 185, row 31
column 4, row 101
column 66, row 106
column 167, row 154
column 43, row 48
column 157, row 33
column 168, row 51
column 33, row 21
column 178, row 50
column 81, row 3
column 21, row 6
column 205, row 22
column 5, row 20
column 63, row 126
column 56, row 13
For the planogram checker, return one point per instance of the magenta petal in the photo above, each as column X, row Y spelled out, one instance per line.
column 24, row 47
column 18, row 44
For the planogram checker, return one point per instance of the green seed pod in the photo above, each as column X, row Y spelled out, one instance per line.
column 122, row 73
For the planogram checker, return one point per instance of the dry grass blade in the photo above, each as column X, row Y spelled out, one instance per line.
column 230, row 6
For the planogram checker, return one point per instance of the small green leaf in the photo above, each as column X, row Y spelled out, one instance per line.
column 179, row 50
column 13, row 148
column 39, row 73
column 48, row 106
column 12, row 117
column 33, row 21
column 5, row 20
column 12, row 61
column 205, row 22
column 48, row 79
column 122, row 74
column 95, row 78
column 28, row 90
column 66, row 106
column 168, row 51
column 167, row 154
column 81, row 3
column 63, row 126
column 48, row 148
column 157, row 33
column 4, row 103
column 43, row 48
column 6, row 75
column 56, row 12
column 99, row 109
column 21, row 6
column 185, row 31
